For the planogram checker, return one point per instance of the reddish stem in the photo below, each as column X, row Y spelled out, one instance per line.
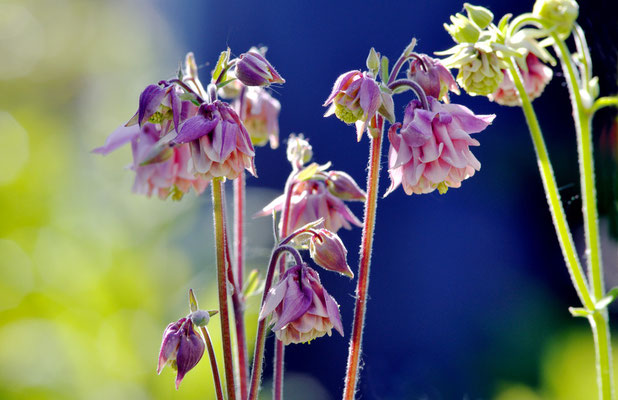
column 213, row 363
column 373, row 175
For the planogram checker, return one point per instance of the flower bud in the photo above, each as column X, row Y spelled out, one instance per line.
column 252, row 69
column 343, row 186
column 200, row 317
column 328, row 251
column 463, row 30
column 182, row 348
column 299, row 150
column 479, row 15
column 435, row 79
column 373, row 60
column 561, row 14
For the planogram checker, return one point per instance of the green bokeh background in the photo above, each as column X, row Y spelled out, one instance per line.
column 90, row 274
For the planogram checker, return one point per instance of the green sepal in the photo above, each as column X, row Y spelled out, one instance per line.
column 221, row 84
column 580, row 312
column 223, row 59
column 384, row 69
column 479, row 15
column 504, row 22
column 607, row 300
column 192, row 301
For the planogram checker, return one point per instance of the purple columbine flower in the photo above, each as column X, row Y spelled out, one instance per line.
column 219, row 142
column 311, row 200
column 167, row 168
column 261, row 117
column 535, row 76
column 301, row 308
column 355, row 98
column 160, row 103
column 432, row 151
column 182, row 348
column 253, row 69
column 435, row 79
column 328, row 251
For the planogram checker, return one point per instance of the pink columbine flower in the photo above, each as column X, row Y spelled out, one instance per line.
column 435, row 79
column 182, row 348
column 432, row 151
column 355, row 98
column 328, row 251
column 253, row 69
column 166, row 171
column 261, row 117
column 311, row 200
column 219, row 142
column 535, row 78
column 301, row 308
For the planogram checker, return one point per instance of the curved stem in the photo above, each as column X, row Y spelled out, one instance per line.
column 373, row 175
column 551, row 191
column 602, row 102
column 258, row 354
column 213, row 363
column 583, row 125
column 220, row 246
column 416, row 88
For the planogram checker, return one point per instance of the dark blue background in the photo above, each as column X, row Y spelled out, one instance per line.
column 466, row 288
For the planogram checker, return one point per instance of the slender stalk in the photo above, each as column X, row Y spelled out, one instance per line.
column 603, row 102
column 599, row 321
column 222, row 280
column 354, row 352
column 258, row 354
column 213, row 363
column 279, row 347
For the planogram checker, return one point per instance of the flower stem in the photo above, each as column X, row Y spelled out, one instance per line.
column 279, row 347
column 222, row 280
column 258, row 355
column 213, row 363
column 599, row 321
column 373, row 175
column 237, row 298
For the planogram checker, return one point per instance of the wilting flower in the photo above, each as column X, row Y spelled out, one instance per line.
column 535, row 77
column 355, row 98
column 328, row 251
column 311, row 200
column 300, row 307
column 261, row 117
column 435, row 79
column 167, row 168
column 432, row 151
column 252, row 69
column 220, row 144
column 560, row 13
column 182, row 348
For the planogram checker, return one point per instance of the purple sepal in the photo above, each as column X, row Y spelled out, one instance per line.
column 195, row 127
column 190, row 351
column 149, row 102
column 118, row 138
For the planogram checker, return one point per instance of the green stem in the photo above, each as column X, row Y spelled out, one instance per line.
column 551, row 191
column 582, row 115
column 213, row 363
column 603, row 102
column 220, row 246
column 362, row 287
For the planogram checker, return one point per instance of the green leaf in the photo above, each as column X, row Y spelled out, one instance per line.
column 384, row 71
column 580, row 312
column 221, row 84
column 223, row 58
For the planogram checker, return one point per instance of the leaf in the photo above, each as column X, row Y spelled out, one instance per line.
column 580, row 312
column 223, row 58
column 384, row 71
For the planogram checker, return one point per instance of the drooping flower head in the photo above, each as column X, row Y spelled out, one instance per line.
column 300, row 308
column 560, row 14
column 432, row 149
column 311, row 200
column 160, row 170
column 260, row 116
column 253, row 69
column 355, row 98
column 220, row 144
column 328, row 251
column 435, row 79
column 535, row 76
column 182, row 348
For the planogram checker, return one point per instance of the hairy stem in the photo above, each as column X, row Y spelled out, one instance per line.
column 213, row 363
column 354, row 352
column 222, row 280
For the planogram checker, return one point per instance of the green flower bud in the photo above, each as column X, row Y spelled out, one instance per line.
column 373, row 61
column 561, row 14
column 479, row 15
column 463, row 30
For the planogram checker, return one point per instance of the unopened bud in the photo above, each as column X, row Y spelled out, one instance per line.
column 252, row 69
column 299, row 150
column 343, row 186
column 373, row 60
column 561, row 14
column 200, row 317
column 463, row 30
column 328, row 251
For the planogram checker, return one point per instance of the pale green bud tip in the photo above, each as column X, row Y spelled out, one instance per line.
column 373, row 60
column 479, row 15
column 200, row 317
column 192, row 301
column 463, row 30
column 560, row 13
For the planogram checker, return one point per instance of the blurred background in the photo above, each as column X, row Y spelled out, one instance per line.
column 469, row 292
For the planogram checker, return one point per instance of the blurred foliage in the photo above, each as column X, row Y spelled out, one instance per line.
column 568, row 371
